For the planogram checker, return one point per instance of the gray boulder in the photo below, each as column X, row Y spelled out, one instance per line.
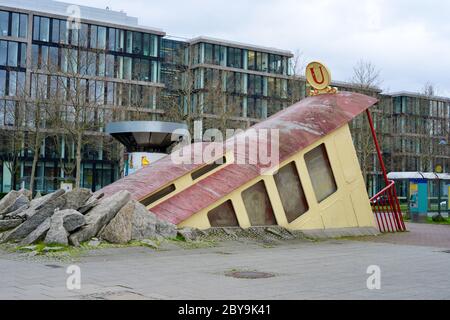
column 38, row 234
column 58, row 233
column 100, row 216
column 18, row 214
column 45, row 207
column 6, row 225
column 38, row 203
column 76, row 199
column 143, row 224
column 73, row 220
column 41, row 214
column 26, row 193
column 20, row 202
column 166, row 229
column 8, row 201
column 119, row 229
column 92, row 202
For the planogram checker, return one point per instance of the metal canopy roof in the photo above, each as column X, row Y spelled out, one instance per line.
column 418, row 175
column 141, row 136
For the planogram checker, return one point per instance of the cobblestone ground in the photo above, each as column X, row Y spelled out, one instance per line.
column 413, row 266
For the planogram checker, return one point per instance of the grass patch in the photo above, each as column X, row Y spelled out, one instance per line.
column 446, row 222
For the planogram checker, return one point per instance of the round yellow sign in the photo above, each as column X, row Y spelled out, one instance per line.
column 318, row 76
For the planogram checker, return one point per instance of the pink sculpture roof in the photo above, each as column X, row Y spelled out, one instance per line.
column 299, row 126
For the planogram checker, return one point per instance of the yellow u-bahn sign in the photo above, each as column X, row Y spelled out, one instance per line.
column 318, row 77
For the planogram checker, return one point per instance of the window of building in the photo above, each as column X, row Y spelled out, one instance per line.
column 137, row 43
column 251, row 56
column 4, row 23
column 109, row 72
column 129, row 41
column 63, row 32
column 258, row 206
column 127, row 68
column 74, row 37
column 321, row 173
column 254, row 108
column 223, row 216
column 3, row 52
column 291, row 192
column 208, row 53
column 101, row 38
column 93, row 37
column 154, row 45
column 112, row 39
column 44, row 29
column 234, row 58
column 13, row 24
column 2, row 83
column 55, row 30
column 13, row 54
column 83, row 36
column 23, row 55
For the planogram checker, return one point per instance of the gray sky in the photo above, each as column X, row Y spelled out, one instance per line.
column 409, row 40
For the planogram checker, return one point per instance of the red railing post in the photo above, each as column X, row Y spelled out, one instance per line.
column 394, row 213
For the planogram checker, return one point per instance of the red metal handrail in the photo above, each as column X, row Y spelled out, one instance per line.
column 385, row 203
column 387, row 210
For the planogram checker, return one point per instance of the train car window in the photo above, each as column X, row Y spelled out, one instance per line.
column 322, row 177
column 291, row 192
column 158, row 195
column 258, row 206
column 223, row 216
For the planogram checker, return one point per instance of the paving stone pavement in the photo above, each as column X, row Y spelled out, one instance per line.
column 431, row 235
column 335, row 269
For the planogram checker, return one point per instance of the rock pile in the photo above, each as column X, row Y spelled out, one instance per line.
column 71, row 218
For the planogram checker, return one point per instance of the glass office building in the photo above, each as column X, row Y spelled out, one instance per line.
column 127, row 71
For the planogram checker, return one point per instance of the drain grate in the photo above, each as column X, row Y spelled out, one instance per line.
column 446, row 251
column 249, row 275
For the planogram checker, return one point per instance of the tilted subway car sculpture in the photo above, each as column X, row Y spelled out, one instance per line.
column 317, row 184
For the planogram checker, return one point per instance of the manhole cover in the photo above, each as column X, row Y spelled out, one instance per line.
column 249, row 275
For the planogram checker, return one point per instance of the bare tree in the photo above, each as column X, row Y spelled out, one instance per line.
column 220, row 106
column 296, row 89
column 366, row 75
column 429, row 90
column 75, row 107
column 12, row 137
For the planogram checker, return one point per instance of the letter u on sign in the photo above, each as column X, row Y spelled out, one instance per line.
column 318, row 76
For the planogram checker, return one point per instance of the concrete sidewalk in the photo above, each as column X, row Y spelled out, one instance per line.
column 303, row 270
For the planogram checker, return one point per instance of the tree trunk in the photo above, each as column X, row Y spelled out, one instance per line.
column 33, row 170
column 78, row 160
column 37, row 151
column 122, row 161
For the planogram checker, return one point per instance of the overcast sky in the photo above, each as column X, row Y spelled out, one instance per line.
column 409, row 40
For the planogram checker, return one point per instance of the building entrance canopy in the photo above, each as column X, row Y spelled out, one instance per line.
column 146, row 136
